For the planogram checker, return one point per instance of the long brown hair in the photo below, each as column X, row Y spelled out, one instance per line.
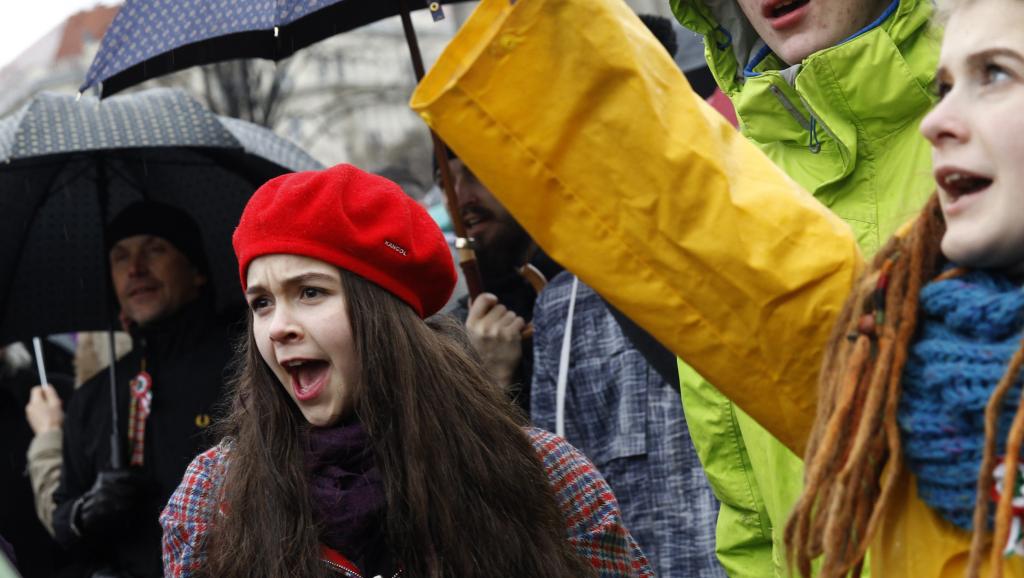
column 854, row 457
column 466, row 493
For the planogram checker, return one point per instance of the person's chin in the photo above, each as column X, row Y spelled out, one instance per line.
column 320, row 418
column 153, row 314
column 142, row 316
column 801, row 44
column 965, row 250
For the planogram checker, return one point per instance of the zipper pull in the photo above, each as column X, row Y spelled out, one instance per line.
column 815, row 146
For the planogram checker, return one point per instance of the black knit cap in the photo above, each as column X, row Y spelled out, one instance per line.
column 164, row 221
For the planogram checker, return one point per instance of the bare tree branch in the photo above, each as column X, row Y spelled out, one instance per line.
column 247, row 89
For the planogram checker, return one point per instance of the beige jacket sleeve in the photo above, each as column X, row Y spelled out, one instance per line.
column 44, row 464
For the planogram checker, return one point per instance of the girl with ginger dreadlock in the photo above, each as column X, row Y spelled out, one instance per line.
column 920, row 425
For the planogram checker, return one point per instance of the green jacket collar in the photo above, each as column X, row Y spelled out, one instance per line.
column 731, row 42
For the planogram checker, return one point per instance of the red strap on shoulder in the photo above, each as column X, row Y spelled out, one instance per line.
column 335, row 557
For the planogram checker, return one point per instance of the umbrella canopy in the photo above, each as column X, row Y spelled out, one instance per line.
column 67, row 168
column 150, row 38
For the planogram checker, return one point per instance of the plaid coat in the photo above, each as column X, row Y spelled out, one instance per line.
column 592, row 518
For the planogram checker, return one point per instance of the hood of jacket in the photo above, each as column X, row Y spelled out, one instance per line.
column 732, row 43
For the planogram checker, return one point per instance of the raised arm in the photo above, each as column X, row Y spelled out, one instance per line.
column 577, row 119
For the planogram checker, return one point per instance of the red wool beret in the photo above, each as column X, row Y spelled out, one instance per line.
column 357, row 221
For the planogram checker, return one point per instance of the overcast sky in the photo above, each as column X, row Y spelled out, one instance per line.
column 25, row 21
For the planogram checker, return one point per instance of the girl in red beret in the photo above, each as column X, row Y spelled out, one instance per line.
column 363, row 439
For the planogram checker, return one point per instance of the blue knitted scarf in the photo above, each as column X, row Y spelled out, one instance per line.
column 969, row 327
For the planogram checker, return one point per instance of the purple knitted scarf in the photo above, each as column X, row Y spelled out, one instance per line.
column 347, row 490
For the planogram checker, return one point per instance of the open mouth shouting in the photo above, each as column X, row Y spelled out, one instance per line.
column 782, row 14
column 960, row 187
column 308, row 376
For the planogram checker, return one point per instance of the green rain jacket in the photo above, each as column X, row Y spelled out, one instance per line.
column 844, row 125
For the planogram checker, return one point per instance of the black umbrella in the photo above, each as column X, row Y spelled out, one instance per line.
column 67, row 167
column 150, row 38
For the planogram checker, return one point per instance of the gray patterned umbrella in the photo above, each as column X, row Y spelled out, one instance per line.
column 67, row 167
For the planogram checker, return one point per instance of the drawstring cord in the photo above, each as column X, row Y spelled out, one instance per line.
column 815, row 145
column 563, row 362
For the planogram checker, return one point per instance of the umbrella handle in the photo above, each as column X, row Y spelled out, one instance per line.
column 115, row 441
column 463, row 244
column 538, row 281
column 534, row 277
column 37, row 346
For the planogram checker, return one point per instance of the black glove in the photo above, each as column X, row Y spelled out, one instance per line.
column 107, row 504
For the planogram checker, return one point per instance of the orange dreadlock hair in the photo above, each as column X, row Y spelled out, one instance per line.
column 854, row 455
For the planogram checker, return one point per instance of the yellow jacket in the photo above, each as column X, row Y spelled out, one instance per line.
column 574, row 116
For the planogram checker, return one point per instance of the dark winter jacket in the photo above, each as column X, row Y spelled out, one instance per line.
column 36, row 552
column 186, row 355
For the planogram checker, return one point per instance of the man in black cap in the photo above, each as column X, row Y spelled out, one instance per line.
column 166, row 393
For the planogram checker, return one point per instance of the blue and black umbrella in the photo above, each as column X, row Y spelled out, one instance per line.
column 67, row 168
column 151, row 38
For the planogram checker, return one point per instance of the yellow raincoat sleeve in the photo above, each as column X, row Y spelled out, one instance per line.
column 580, row 123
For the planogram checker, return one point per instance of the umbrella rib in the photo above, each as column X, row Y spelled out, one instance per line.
column 226, row 161
column 128, row 178
column 213, row 156
column 124, row 176
column 53, row 187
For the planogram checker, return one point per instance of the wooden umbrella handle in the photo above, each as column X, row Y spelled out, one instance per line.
column 463, row 244
column 534, row 277
column 538, row 281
